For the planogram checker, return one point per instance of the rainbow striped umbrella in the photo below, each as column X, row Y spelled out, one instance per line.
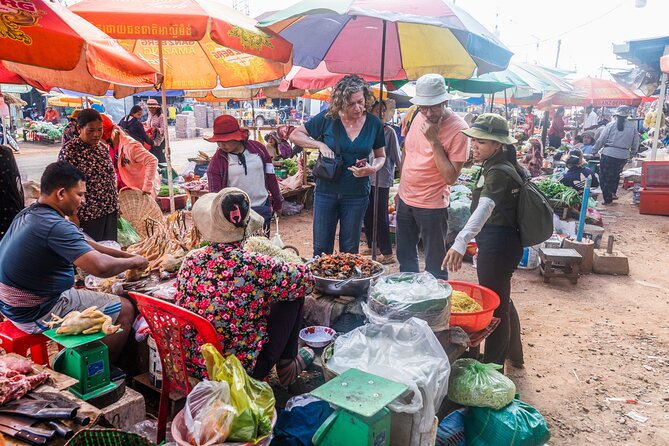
column 418, row 37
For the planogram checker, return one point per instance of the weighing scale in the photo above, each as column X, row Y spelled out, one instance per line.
column 361, row 418
column 84, row 358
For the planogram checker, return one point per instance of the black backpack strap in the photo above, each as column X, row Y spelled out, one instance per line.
column 510, row 171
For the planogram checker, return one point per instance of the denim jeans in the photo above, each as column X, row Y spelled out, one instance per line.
column 330, row 209
column 427, row 225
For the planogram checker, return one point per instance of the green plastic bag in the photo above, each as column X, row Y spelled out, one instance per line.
column 518, row 424
column 126, row 233
column 479, row 385
column 253, row 400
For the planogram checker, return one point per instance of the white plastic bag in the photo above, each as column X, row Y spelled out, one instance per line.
column 276, row 239
column 208, row 414
column 398, row 297
column 406, row 352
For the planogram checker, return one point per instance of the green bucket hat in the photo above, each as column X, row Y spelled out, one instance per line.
column 490, row 126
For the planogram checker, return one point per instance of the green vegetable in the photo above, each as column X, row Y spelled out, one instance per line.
column 480, row 385
column 290, row 166
column 164, row 191
column 559, row 193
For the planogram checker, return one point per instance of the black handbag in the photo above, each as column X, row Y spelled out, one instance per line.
column 329, row 169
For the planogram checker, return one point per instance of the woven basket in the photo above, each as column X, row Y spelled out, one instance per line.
column 136, row 207
column 107, row 437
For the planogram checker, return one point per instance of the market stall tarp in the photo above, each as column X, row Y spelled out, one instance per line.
column 320, row 78
column 48, row 44
column 589, row 90
column 421, row 36
column 63, row 100
column 201, row 41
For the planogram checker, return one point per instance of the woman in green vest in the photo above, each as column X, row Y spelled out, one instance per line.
column 493, row 223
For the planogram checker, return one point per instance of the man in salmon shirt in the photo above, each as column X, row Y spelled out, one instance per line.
column 434, row 152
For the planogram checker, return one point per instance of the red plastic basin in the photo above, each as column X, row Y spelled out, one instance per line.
column 476, row 321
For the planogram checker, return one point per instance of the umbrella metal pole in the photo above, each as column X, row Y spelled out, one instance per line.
column 253, row 118
column 168, row 157
column 375, row 213
column 492, row 101
column 506, row 107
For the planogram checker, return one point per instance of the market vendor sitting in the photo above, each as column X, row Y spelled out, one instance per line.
column 254, row 301
column 588, row 143
column 243, row 163
column 577, row 173
column 38, row 255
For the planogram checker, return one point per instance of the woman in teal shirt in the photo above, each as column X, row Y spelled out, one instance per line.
column 345, row 127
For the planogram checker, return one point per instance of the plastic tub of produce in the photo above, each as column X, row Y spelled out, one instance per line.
column 477, row 320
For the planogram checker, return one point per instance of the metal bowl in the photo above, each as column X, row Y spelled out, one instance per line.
column 355, row 287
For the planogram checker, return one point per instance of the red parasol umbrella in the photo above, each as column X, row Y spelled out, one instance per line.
column 43, row 42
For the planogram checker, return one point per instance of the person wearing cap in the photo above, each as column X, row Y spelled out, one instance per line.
column 156, row 125
column 347, row 128
column 494, row 199
column 588, row 142
column 71, row 130
column 135, row 166
column 134, row 128
column 616, row 144
column 577, row 173
column 385, row 178
column 98, row 215
column 434, row 152
column 254, row 301
column 244, row 163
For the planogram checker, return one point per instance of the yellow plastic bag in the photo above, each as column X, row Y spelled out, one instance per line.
column 253, row 400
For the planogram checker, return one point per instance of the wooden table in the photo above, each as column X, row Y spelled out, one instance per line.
column 560, row 263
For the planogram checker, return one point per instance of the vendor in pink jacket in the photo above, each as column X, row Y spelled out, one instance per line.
column 135, row 166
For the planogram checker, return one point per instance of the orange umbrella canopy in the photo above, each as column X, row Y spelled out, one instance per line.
column 46, row 43
column 201, row 40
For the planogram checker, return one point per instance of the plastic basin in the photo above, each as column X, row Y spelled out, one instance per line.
column 478, row 320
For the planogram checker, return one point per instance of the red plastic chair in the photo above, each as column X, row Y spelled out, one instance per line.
column 168, row 323
column 14, row 340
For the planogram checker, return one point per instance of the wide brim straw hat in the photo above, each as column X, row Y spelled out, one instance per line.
column 490, row 126
column 152, row 103
column 215, row 227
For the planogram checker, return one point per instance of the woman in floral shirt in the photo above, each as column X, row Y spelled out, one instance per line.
column 98, row 215
column 253, row 301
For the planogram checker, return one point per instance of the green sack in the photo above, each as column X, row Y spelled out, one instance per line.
column 253, row 400
column 126, row 233
column 479, row 385
column 518, row 424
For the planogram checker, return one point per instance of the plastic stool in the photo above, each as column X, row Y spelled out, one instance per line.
column 13, row 340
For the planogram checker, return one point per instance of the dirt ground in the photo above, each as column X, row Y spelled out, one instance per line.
column 596, row 351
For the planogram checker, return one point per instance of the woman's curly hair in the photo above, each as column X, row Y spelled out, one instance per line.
column 342, row 91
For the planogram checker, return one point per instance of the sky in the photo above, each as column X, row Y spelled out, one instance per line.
column 531, row 28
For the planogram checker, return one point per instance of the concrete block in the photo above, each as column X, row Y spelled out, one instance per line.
column 586, row 249
column 129, row 410
column 613, row 263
